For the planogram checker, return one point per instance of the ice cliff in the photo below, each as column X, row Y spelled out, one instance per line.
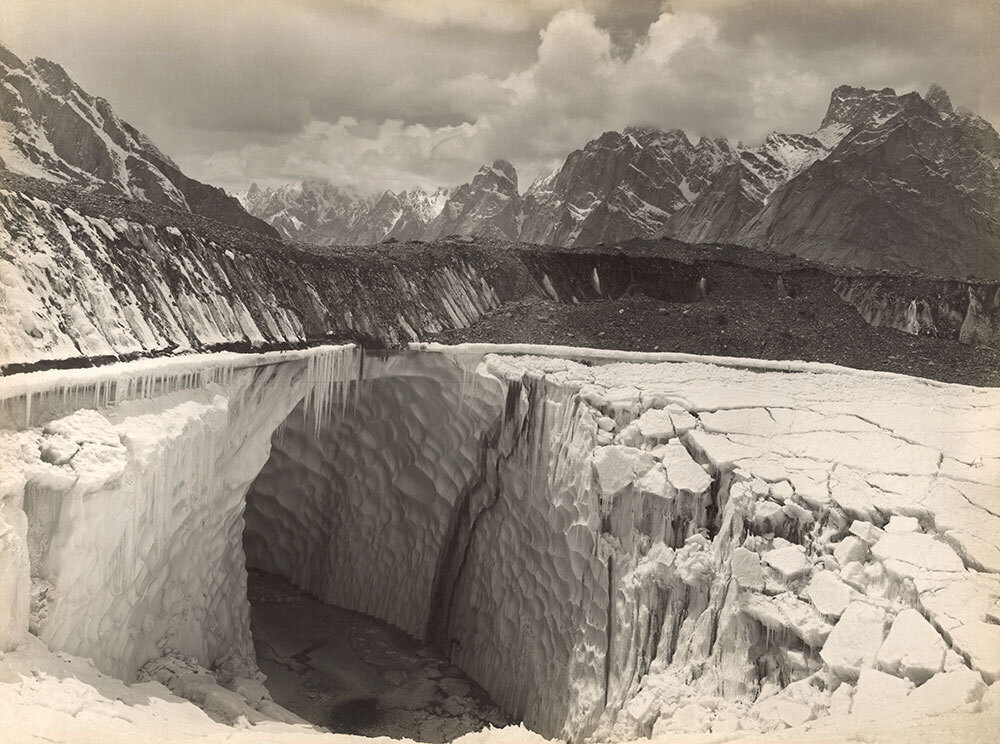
column 613, row 547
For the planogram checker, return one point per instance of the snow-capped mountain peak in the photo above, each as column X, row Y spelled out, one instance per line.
column 317, row 211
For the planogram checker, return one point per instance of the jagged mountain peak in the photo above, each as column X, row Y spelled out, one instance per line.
column 939, row 100
column 501, row 174
column 644, row 180
column 852, row 106
column 316, row 210
column 649, row 134
column 714, row 142
column 8, row 57
column 55, row 75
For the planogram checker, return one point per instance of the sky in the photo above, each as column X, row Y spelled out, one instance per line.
column 378, row 94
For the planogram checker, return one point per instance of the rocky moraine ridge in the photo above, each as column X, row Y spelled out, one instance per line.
column 95, row 276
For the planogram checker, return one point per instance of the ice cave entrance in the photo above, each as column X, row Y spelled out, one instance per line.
column 354, row 540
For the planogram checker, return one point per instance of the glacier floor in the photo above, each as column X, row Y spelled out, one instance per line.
column 354, row 674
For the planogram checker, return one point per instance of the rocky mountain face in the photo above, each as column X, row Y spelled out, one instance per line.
column 53, row 129
column 891, row 182
column 620, row 185
column 742, row 187
column 316, row 211
column 489, row 206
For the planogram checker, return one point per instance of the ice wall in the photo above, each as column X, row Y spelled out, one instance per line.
column 455, row 505
column 130, row 504
column 835, row 553
column 357, row 510
column 611, row 548
column 969, row 313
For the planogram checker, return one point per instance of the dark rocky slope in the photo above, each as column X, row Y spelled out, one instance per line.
column 60, row 132
column 910, row 184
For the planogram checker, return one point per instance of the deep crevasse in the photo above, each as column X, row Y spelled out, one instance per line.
column 719, row 530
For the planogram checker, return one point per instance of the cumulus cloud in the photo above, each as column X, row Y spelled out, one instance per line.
column 367, row 155
column 509, row 15
column 395, row 93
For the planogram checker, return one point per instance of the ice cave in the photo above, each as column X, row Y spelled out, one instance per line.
column 596, row 546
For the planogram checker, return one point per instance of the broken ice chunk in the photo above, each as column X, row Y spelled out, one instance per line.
column 790, row 562
column 85, row 425
column 877, row 691
column 683, row 472
column 768, row 516
column 899, row 523
column 908, row 554
column 913, row 648
column 855, row 640
column 947, row 691
column 853, row 574
column 850, row 549
column 785, row 612
column 866, row 531
column 746, row 569
column 829, row 594
column 617, row 466
column 782, row 491
column 654, row 483
column 655, row 424
column 980, row 642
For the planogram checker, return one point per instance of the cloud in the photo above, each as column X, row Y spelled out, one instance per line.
column 367, row 155
column 507, row 15
column 394, row 93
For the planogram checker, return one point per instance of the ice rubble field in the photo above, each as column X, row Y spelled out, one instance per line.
column 615, row 547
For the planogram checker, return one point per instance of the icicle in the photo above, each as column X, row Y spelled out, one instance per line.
column 465, row 387
column 27, row 410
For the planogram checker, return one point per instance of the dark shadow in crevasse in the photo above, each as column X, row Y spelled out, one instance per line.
column 352, row 673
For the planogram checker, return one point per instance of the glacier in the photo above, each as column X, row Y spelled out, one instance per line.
column 81, row 287
column 614, row 545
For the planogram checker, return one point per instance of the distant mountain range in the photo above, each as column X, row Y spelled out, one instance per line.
column 51, row 128
column 901, row 182
column 318, row 212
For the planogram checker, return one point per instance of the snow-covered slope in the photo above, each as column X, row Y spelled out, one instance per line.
column 611, row 548
column 51, row 128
